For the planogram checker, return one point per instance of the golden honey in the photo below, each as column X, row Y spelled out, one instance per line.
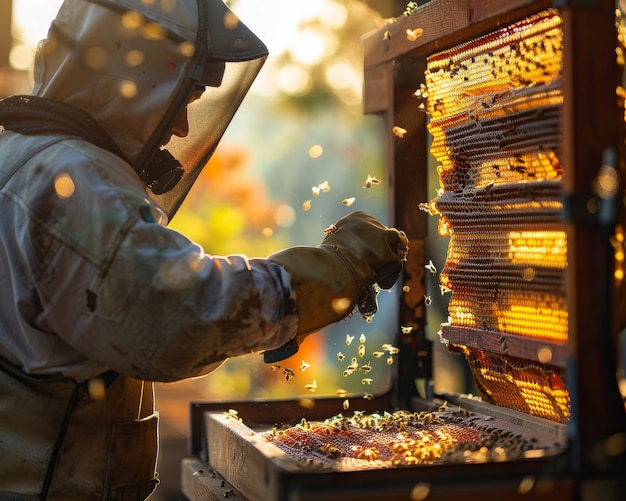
column 494, row 106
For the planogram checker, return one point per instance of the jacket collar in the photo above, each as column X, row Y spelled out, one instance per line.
column 32, row 115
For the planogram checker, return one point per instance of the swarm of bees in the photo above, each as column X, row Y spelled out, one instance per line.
column 324, row 187
column 403, row 438
column 356, row 364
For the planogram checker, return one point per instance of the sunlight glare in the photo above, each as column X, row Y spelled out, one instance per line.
column 309, row 47
column 342, row 75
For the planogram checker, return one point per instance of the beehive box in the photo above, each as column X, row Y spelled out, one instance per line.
column 390, row 455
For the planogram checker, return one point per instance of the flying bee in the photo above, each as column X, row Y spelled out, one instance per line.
column 304, row 366
column 431, row 267
column 311, row 386
column 424, row 207
column 349, row 339
column 288, row 373
column 348, row 201
column 232, row 413
column 412, row 35
column 406, row 329
column 361, row 350
column 362, row 338
column 367, row 368
column 389, row 360
column 390, row 348
column 371, row 181
column 331, row 229
column 353, row 367
column 275, row 367
column 378, row 354
column 367, row 381
column 398, row 131
column 341, row 357
column 369, row 454
column 330, row 450
column 368, row 396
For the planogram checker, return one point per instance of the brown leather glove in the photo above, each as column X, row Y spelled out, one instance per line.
column 334, row 277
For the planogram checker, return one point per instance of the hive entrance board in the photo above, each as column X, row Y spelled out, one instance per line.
column 358, row 450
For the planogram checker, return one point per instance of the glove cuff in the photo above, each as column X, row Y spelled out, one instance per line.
column 325, row 285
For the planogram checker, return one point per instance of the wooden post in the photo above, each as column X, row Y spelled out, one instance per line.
column 590, row 129
column 6, row 10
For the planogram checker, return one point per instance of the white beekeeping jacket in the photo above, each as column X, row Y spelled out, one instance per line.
column 93, row 279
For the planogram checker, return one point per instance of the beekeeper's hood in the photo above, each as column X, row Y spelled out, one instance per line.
column 134, row 64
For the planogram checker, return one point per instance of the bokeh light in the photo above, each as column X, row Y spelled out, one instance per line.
column 310, row 47
column 285, row 216
column 21, row 57
column 316, row 151
column 64, row 186
column 293, row 79
column 96, row 58
column 127, row 89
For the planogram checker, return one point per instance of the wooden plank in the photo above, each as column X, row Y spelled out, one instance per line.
column 247, row 460
column 407, row 163
column 551, row 433
column 435, row 18
column 236, row 453
column 590, row 127
column 443, row 23
column 537, row 350
column 377, row 88
column 6, row 12
column 202, row 483
column 539, row 489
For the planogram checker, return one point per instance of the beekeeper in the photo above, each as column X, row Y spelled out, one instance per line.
column 99, row 297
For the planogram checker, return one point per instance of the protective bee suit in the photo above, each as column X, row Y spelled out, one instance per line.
column 99, row 297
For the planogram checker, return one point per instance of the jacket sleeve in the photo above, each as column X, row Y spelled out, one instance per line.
column 142, row 299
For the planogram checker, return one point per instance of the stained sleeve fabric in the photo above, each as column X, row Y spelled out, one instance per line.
column 98, row 282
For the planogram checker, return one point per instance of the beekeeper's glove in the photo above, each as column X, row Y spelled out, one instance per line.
column 357, row 254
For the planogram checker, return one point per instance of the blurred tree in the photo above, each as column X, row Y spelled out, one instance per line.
column 228, row 210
